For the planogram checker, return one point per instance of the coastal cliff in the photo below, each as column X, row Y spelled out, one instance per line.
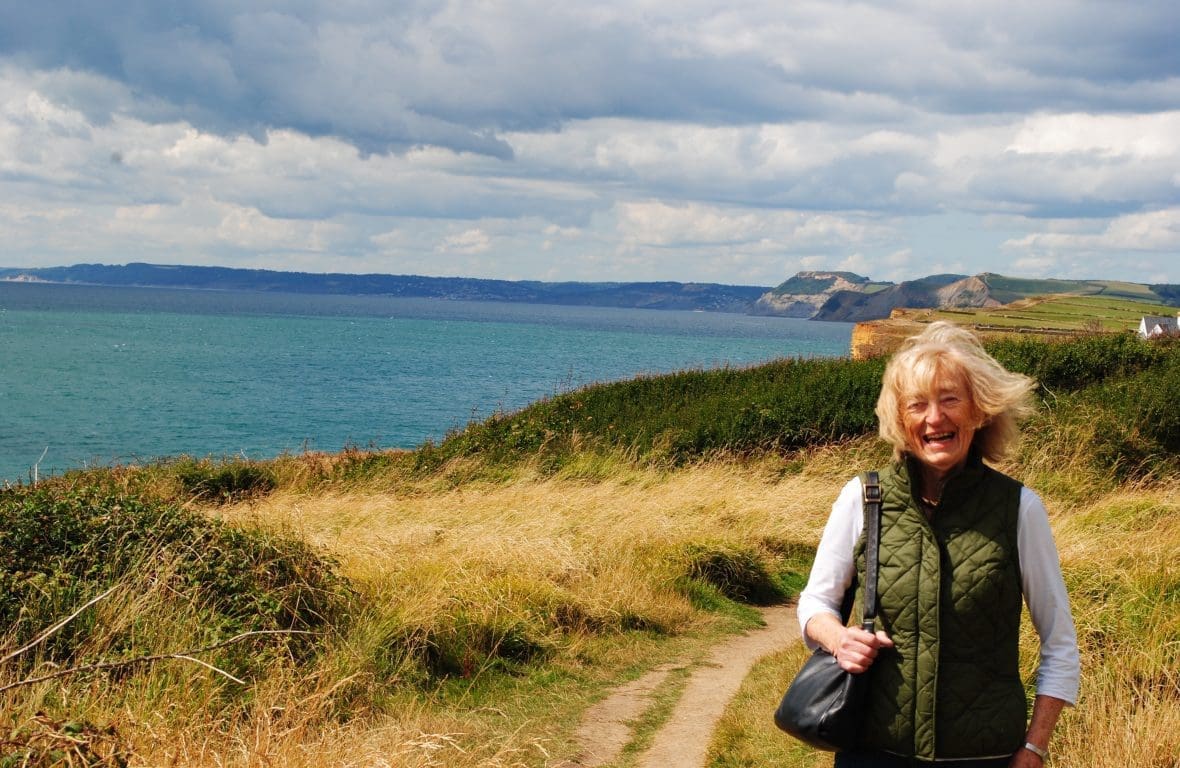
column 805, row 293
column 874, row 338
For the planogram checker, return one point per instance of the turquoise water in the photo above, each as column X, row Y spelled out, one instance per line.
column 112, row 375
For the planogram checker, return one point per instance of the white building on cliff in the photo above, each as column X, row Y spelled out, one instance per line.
column 1154, row 326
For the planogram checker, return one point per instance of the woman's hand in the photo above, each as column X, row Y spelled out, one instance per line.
column 1046, row 710
column 853, row 647
column 856, row 648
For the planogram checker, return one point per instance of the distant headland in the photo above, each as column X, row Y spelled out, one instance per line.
column 815, row 295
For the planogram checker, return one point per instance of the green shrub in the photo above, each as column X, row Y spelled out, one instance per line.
column 1077, row 363
column 61, row 545
column 682, row 416
column 472, row 644
column 791, row 404
column 1137, row 423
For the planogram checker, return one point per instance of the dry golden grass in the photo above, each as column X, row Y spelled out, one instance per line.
column 575, row 563
column 498, row 548
column 555, row 522
column 607, row 542
column 1119, row 553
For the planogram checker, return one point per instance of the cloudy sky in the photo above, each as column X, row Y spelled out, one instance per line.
column 733, row 142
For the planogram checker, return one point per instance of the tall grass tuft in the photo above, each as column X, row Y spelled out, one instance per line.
column 1119, row 558
column 224, row 482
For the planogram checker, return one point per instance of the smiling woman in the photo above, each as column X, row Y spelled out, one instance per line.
column 940, row 426
column 938, row 393
column 961, row 545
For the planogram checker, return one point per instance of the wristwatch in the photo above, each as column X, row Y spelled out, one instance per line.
column 1040, row 752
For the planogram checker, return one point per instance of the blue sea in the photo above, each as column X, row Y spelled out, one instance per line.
column 98, row 376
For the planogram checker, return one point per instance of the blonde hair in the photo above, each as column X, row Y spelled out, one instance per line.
column 999, row 398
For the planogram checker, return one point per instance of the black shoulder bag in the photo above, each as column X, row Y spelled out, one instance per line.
column 824, row 705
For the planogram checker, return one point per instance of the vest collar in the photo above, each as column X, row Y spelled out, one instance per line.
column 909, row 475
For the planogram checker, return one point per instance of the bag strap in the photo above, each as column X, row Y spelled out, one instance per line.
column 872, row 508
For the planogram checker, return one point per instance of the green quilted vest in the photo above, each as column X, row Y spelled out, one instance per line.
column 950, row 597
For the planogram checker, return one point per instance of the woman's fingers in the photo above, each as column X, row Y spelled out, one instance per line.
column 858, row 648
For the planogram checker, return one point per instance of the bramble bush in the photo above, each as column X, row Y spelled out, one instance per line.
column 1069, row 366
column 62, row 544
column 679, row 417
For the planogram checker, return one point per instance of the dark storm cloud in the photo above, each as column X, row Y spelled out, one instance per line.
column 234, row 71
column 996, row 57
column 389, row 76
column 378, row 79
column 1105, row 43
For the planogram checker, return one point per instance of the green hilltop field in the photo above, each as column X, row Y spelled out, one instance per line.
column 1009, row 289
column 1053, row 316
column 463, row 603
column 1063, row 312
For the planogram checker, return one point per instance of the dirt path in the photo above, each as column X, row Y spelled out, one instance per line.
column 683, row 739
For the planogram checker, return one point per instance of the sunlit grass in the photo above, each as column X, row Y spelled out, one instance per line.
column 472, row 601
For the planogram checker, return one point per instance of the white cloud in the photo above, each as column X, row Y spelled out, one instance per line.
column 1148, row 136
column 1157, row 231
column 900, row 259
column 196, row 225
column 471, row 241
column 655, row 223
column 1039, row 265
column 857, row 263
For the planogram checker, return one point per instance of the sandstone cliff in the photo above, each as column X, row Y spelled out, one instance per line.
column 875, row 338
column 845, row 306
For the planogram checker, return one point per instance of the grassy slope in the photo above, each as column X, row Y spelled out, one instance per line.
column 1009, row 289
column 502, row 578
column 1068, row 313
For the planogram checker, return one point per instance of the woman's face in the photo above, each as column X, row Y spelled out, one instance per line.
column 940, row 424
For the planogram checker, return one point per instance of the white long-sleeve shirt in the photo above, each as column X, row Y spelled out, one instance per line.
column 1040, row 575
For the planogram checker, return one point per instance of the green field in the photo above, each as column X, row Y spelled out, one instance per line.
column 1107, row 312
column 1010, row 289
